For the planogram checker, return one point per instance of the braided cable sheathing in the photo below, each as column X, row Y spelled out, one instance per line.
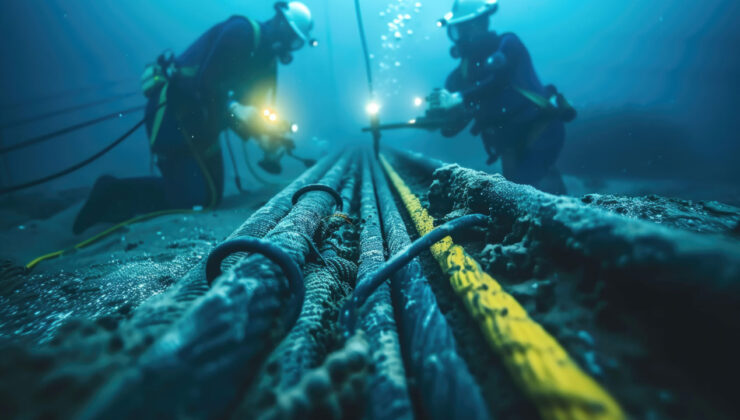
column 544, row 371
column 388, row 396
column 161, row 311
column 208, row 356
column 443, row 382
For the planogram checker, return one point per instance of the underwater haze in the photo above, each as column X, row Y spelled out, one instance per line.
column 173, row 244
column 655, row 86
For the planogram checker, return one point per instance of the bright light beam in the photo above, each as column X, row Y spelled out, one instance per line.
column 372, row 108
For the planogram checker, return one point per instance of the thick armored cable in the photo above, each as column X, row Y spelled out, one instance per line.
column 325, row 284
column 388, row 396
column 314, row 334
column 442, row 380
column 193, row 284
column 536, row 361
column 207, row 357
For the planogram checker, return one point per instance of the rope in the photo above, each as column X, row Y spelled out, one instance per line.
column 535, row 360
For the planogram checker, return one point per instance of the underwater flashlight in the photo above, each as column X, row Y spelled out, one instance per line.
column 418, row 101
column 294, row 128
column 372, row 108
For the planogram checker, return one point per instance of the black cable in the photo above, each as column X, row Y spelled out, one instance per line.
column 68, row 92
column 237, row 180
column 32, row 119
column 76, row 166
column 364, row 289
column 366, row 53
column 252, row 169
column 272, row 252
column 374, row 119
column 319, row 187
column 66, row 130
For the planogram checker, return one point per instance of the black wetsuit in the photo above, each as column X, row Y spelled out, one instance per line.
column 490, row 75
column 230, row 57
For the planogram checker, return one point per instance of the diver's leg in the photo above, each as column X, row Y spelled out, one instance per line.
column 552, row 182
column 534, row 164
column 114, row 200
column 186, row 184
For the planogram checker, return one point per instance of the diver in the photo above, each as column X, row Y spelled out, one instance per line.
column 225, row 80
column 519, row 120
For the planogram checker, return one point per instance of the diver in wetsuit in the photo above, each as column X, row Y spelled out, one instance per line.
column 226, row 79
column 519, row 120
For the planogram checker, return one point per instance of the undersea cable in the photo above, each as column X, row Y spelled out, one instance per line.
column 67, row 93
column 445, row 389
column 237, row 179
column 365, row 51
column 541, row 367
column 399, row 260
column 79, row 107
column 81, row 164
column 76, row 166
column 66, row 130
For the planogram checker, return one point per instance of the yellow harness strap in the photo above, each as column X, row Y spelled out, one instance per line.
column 159, row 116
column 537, row 99
column 257, row 32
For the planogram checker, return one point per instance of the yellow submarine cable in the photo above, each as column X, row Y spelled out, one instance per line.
column 536, row 361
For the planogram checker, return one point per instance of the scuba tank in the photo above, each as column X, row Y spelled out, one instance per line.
column 163, row 71
column 158, row 73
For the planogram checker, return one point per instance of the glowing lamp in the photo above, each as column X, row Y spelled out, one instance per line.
column 372, row 108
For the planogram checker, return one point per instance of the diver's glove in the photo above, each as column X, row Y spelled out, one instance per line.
column 255, row 122
column 444, row 100
column 244, row 116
